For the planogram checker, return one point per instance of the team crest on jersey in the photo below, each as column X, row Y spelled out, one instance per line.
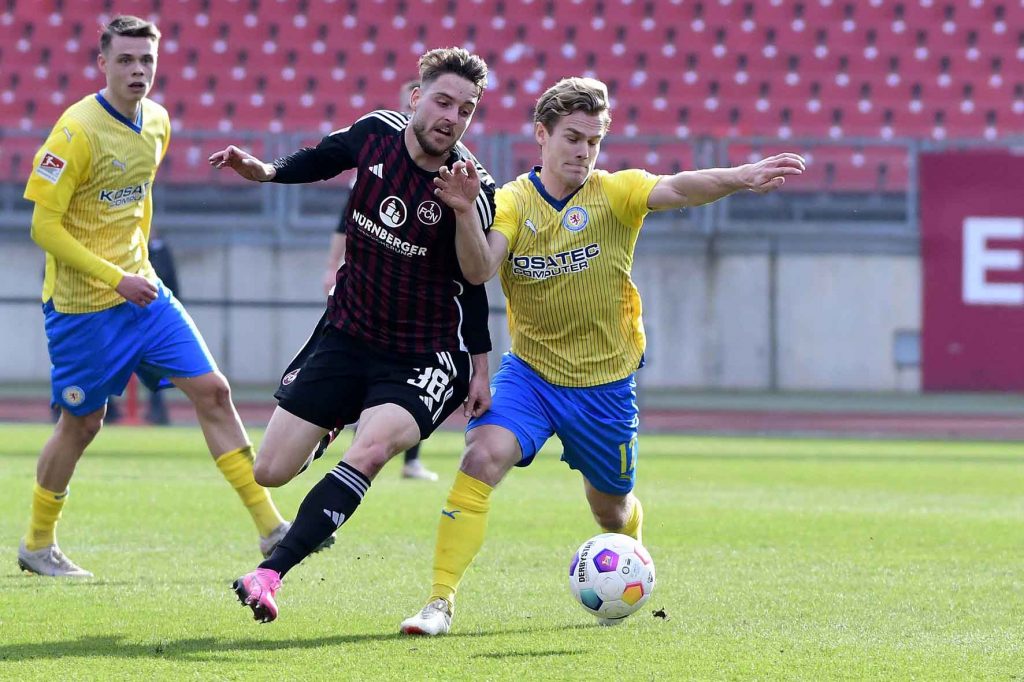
column 73, row 395
column 393, row 211
column 575, row 219
column 429, row 213
column 51, row 166
column 290, row 377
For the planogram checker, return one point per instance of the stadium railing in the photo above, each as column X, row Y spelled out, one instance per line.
column 858, row 194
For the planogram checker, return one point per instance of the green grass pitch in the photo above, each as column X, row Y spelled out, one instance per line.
column 776, row 559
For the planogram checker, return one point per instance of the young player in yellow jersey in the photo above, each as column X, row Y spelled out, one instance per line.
column 563, row 238
column 106, row 312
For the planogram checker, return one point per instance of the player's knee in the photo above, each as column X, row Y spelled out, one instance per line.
column 215, row 395
column 81, row 430
column 268, row 474
column 369, row 458
column 484, row 462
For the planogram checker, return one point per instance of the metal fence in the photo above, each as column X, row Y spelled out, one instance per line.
column 859, row 194
column 197, row 202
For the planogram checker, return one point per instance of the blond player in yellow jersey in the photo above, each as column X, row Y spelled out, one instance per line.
column 563, row 239
column 106, row 312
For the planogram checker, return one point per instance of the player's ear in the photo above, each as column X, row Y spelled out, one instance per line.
column 540, row 133
column 414, row 98
column 101, row 61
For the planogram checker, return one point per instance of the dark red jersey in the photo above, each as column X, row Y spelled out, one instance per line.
column 402, row 281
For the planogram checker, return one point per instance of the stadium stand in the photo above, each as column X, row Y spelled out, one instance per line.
column 842, row 71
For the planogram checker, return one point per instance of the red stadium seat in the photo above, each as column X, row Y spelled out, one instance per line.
column 16, row 154
column 266, row 56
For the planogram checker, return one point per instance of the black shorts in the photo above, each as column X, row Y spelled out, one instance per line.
column 336, row 376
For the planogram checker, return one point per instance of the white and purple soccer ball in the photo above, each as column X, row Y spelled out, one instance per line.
column 611, row 576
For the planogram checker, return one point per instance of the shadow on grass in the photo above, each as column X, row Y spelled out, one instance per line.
column 500, row 655
column 27, row 581
column 207, row 648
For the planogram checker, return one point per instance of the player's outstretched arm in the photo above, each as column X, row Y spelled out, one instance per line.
column 695, row 188
column 243, row 163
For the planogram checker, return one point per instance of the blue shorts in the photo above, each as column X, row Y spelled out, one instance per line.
column 597, row 425
column 92, row 355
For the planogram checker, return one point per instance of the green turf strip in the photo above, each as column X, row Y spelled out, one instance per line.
column 776, row 559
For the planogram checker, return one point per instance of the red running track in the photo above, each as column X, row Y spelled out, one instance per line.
column 951, row 426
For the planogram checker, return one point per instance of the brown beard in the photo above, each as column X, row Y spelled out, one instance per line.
column 420, row 131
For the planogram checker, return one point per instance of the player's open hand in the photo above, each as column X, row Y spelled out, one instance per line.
column 479, row 399
column 243, row 163
column 458, row 186
column 136, row 289
column 770, row 174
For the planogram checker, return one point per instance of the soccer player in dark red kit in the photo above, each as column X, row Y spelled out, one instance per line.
column 390, row 351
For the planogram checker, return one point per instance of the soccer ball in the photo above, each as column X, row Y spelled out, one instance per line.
column 611, row 576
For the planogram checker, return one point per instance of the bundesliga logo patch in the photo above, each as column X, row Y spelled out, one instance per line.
column 50, row 167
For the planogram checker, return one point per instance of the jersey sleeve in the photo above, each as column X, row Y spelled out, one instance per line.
column 60, row 166
column 506, row 217
column 476, row 333
column 336, row 153
column 628, row 192
column 49, row 233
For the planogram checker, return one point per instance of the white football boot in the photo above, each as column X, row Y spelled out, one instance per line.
column 415, row 469
column 434, row 619
column 49, row 561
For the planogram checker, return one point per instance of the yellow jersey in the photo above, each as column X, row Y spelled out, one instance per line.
column 574, row 313
column 96, row 169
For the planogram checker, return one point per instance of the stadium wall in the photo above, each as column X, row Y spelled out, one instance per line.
column 744, row 321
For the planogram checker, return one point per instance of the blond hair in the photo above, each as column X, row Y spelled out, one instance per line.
column 569, row 95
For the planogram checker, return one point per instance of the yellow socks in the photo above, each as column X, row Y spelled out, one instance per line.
column 42, row 526
column 236, row 466
column 634, row 527
column 460, row 534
